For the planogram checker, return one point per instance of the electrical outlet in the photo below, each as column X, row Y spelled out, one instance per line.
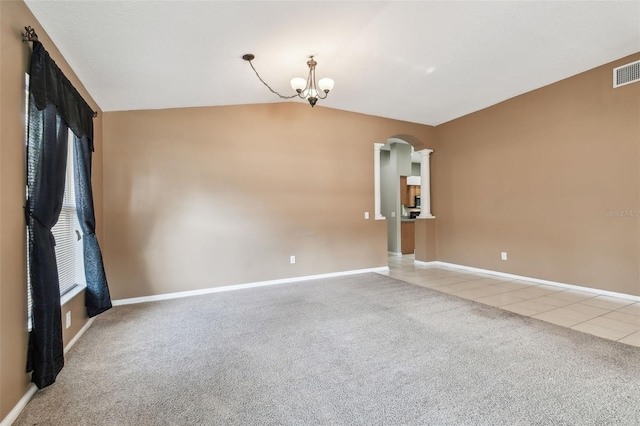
column 503, row 255
column 68, row 319
column 366, row 215
column 393, row 214
column 292, row 259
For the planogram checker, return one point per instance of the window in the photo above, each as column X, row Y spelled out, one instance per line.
column 66, row 232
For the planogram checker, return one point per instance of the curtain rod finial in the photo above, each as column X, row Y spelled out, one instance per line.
column 30, row 34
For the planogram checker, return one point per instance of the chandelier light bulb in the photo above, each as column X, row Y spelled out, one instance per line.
column 298, row 84
column 325, row 84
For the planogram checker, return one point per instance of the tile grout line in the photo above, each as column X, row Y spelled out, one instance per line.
column 595, row 295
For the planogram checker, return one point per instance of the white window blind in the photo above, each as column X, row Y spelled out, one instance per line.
column 64, row 231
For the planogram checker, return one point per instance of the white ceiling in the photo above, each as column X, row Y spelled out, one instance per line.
column 423, row 62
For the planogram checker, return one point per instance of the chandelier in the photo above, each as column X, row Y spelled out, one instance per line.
column 305, row 89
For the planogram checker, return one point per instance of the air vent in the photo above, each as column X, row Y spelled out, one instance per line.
column 626, row 74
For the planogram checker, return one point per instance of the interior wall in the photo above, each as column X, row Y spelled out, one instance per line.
column 402, row 154
column 14, row 58
column 425, row 247
column 206, row 197
column 550, row 177
column 401, row 165
column 394, row 162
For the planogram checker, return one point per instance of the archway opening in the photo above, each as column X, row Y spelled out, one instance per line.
column 401, row 183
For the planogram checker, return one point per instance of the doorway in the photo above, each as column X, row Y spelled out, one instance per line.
column 400, row 195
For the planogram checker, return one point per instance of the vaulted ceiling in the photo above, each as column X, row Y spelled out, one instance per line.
column 423, row 62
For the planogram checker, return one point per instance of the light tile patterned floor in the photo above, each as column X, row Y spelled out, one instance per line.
column 605, row 316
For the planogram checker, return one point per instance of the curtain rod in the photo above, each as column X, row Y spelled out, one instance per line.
column 31, row 36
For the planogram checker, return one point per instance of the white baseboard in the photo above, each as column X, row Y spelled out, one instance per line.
column 176, row 295
column 13, row 415
column 535, row 280
column 78, row 335
column 393, row 253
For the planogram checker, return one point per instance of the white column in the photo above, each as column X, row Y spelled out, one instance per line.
column 376, row 180
column 425, row 185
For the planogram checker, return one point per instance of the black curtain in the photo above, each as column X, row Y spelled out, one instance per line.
column 97, row 298
column 54, row 107
column 48, row 85
column 47, row 152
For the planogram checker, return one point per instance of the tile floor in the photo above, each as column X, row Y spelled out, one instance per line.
column 605, row 316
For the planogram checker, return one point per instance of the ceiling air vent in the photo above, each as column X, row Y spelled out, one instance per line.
column 626, row 74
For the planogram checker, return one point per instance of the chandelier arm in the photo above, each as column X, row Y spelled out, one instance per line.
column 313, row 82
column 312, row 79
column 269, row 87
column 322, row 97
column 309, row 86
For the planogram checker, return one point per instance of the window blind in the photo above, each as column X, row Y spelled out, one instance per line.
column 64, row 231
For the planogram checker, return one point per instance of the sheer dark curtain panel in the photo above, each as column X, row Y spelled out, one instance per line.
column 55, row 107
column 97, row 298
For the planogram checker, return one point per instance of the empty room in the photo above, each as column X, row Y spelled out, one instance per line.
column 310, row 213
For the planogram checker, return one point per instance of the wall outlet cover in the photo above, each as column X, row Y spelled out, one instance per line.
column 292, row 259
column 503, row 255
column 68, row 319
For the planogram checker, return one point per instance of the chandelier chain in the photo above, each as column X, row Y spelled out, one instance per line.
column 269, row 87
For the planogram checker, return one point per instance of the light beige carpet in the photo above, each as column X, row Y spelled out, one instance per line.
column 364, row 349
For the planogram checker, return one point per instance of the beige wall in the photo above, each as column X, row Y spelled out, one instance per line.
column 14, row 56
column 205, row 197
column 425, row 246
column 534, row 176
column 79, row 318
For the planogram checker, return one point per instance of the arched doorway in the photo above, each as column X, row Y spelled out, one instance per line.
column 402, row 189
